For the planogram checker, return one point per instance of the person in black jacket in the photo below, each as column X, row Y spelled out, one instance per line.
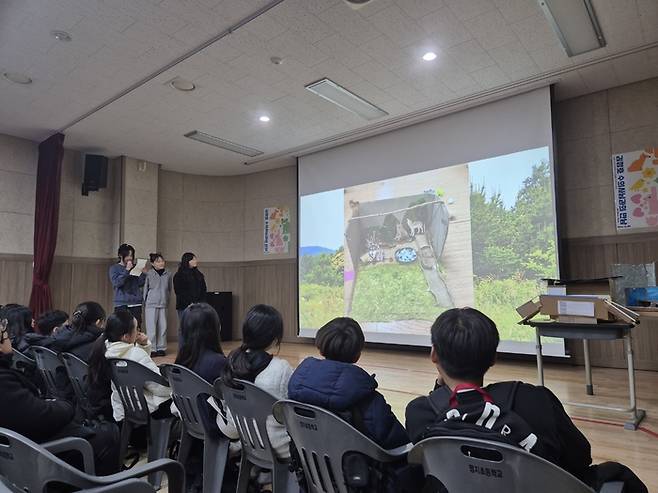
column 78, row 336
column 50, row 321
column 464, row 343
column 25, row 412
column 337, row 384
column 19, row 324
column 189, row 286
column 202, row 353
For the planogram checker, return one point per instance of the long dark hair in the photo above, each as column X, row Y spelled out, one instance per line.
column 185, row 261
column 120, row 323
column 262, row 329
column 200, row 330
column 19, row 322
column 86, row 314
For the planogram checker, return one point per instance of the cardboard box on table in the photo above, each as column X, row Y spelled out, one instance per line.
column 576, row 309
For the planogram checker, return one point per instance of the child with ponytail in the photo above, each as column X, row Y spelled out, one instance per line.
column 262, row 332
column 78, row 336
column 122, row 340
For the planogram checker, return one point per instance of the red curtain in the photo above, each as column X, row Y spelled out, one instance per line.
column 46, row 218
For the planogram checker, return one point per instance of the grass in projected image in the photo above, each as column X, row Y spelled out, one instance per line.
column 504, row 224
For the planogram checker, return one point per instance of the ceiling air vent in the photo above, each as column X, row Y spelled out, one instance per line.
column 222, row 143
column 357, row 4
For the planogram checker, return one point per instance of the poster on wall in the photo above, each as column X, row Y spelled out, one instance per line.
column 276, row 230
column 636, row 188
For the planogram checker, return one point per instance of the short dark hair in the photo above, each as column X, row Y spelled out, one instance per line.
column 341, row 339
column 49, row 320
column 155, row 256
column 465, row 341
column 125, row 249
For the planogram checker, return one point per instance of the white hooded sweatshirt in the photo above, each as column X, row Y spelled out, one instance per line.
column 155, row 393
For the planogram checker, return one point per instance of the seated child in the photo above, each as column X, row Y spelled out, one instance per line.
column 51, row 320
column 464, row 343
column 253, row 361
column 337, row 384
column 122, row 340
column 25, row 411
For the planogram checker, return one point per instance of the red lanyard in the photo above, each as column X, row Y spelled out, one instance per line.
column 463, row 387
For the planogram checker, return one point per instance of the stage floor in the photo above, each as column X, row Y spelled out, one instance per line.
column 403, row 375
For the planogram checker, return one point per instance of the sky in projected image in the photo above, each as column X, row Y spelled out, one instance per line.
column 505, row 174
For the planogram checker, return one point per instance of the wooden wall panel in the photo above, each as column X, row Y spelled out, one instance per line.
column 276, row 285
column 15, row 279
column 591, row 258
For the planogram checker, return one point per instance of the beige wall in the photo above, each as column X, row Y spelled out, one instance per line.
column 88, row 225
column 18, row 176
column 139, row 205
column 589, row 130
column 221, row 218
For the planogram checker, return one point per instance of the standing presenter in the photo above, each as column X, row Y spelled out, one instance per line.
column 128, row 287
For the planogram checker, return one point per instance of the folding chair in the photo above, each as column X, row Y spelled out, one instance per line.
column 129, row 379
column 52, row 371
column 469, row 465
column 322, row 439
column 29, row 467
column 22, row 362
column 251, row 407
column 77, row 371
column 190, row 392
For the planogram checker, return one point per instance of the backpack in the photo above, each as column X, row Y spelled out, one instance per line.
column 473, row 412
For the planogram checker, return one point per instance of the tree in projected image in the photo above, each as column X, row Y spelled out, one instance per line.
column 512, row 248
column 321, row 288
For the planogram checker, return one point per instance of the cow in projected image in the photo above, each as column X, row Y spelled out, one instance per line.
column 403, row 230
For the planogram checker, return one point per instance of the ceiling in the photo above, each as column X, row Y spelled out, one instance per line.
column 484, row 47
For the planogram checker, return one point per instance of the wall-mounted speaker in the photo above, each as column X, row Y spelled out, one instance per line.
column 95, row 173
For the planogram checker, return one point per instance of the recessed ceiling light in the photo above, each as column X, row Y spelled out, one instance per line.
column 17, row 78
column 429, row 56
column 60, row 35
column 182, row 84
column 276, row 60
column 264, row 118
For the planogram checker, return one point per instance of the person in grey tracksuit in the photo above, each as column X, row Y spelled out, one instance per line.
column 156, row 299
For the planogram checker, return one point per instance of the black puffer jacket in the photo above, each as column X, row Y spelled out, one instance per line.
column 68, row 340
column 24, row 412
column 190, row 287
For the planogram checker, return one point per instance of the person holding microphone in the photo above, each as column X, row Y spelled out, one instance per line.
column 127, row 287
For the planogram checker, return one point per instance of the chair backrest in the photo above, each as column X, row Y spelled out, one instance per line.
column 132, row 485
column 49, row 365
column 78, row 372
column 186, row 389
column 250, row 407
column 29, row 467
column 322, row 439
column 468, row 465
column 21, row 361
column 129, row 378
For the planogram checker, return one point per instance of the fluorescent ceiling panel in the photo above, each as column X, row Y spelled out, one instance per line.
column 329, row 90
